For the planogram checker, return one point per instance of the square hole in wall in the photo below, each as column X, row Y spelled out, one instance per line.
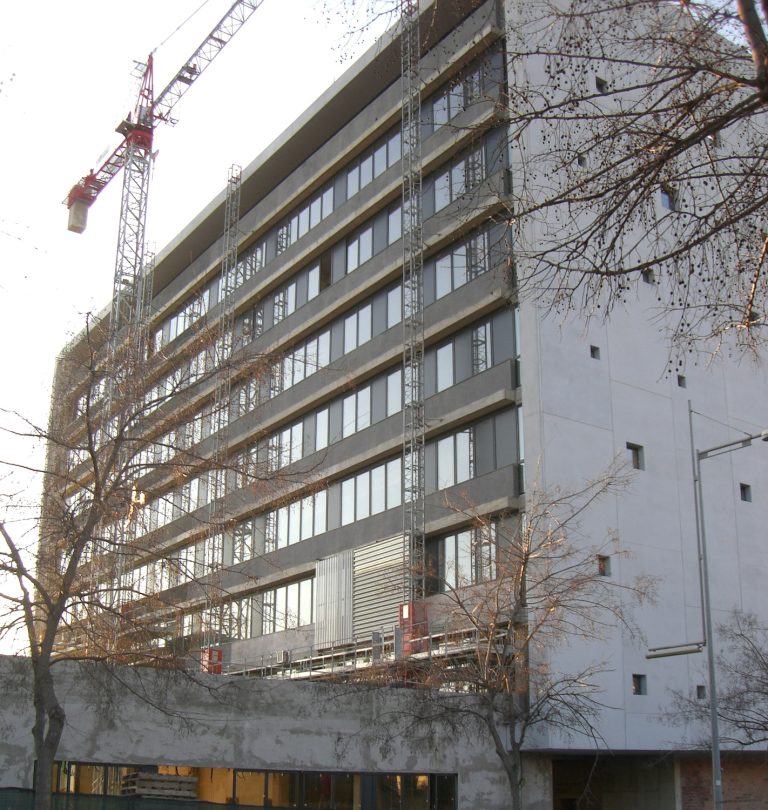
column 603, row 565
column 594, row 352
column 745, row 490
column 636, row 456
column 601, row 84
column 681, row 381
column 701, row 691
column 648, row 276
column 639, row 685
column 668, row 199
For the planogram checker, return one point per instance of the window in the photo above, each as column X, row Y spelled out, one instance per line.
column 668, row 198
column 457, row 97
column 297, row 521
column 462, row 176
column 648, row 277
column 639, row 685
column 636, row 456
column 745, row 491
column 681, row 381
column 461, row 264
column 701, row 691
column 252, row 323
column 373, row 163
column 594, row 352
column 305, row 218
column 357, row 328
column 395, row 224
column 238, row 618
column 242, row 542
column 603, row 565
column 284, row 447
column 601, row 85
column 300, row 363
column 359, row 500
column 455, row 462
column 481, row 348
column 464, row 558
column 394, row 392
column 444, row 356
column 356, row 412
column 321, row 429
column 359, row 248
column 394, row 306
column 288, row 607
column 284, row 302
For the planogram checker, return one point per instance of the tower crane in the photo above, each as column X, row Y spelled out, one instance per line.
column 132, row 284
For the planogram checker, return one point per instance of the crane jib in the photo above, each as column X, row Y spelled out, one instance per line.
column 150, row 109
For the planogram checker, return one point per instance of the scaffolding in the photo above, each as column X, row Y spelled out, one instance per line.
column 413, row 305
column 224, row 346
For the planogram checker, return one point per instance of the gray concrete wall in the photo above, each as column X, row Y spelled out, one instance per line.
column 145, row 716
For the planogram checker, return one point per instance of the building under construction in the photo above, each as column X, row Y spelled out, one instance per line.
column 319, row 415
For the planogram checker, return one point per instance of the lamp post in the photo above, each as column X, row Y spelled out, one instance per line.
column 706, row 606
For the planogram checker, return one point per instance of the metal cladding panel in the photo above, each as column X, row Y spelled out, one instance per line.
column 333, row 600
column 378, row 585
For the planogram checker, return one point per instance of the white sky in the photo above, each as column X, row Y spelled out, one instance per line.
column 65, row 83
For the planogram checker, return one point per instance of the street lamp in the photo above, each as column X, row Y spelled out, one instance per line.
column 706, row 606
column 699, row 456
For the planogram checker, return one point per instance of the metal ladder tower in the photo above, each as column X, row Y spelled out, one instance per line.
column 224, row 345
column 413, row 305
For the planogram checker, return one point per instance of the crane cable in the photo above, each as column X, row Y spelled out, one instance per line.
column 181, row 25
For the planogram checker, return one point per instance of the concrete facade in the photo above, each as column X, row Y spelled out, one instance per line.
column 515, row 401
column 244, row 723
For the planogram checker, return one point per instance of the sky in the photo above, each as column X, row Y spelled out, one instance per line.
column 65, row 83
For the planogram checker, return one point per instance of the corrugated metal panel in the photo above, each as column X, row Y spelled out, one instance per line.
column 333, row 600
column 378, row 585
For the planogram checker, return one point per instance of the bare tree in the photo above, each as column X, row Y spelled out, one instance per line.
column 742, row 697
column 530, row 585
column 638, row 134
column 100, row 581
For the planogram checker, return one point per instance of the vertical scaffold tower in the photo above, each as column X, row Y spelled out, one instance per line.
column 413, row 304
column 224, row 345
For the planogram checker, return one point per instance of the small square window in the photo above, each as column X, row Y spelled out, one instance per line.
column 581, row 160
column 603, row 565
column 681, row 381
column 746, row 492
column 648, row 277
column 635, row 456
column 701, row 692
column 594, row 352
column 601, row 84
column 668, row 199
column 639, row 685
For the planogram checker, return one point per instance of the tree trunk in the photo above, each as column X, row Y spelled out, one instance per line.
column 511, row 761
column 47, row 731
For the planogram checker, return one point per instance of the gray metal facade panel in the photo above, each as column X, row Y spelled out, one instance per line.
column 333, row 600
column 378, row 585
